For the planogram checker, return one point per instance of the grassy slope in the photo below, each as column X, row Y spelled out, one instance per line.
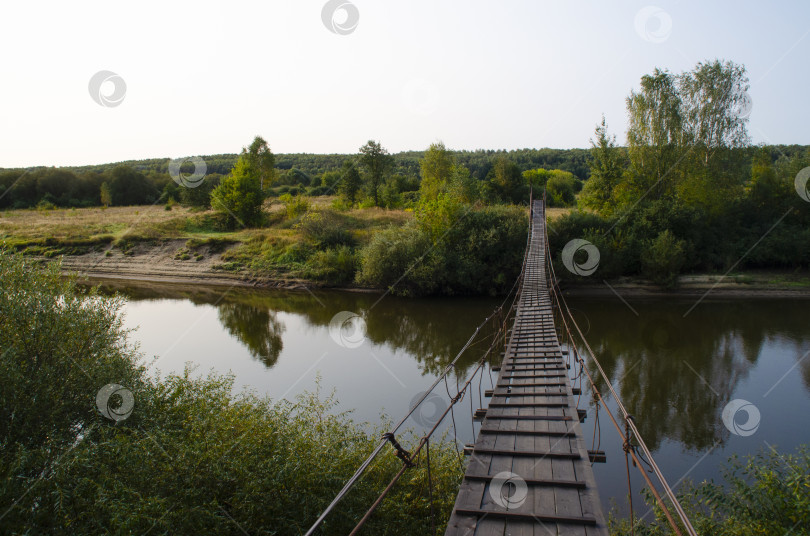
column 256, row 251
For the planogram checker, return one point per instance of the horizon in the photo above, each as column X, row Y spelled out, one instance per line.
column 208, row 76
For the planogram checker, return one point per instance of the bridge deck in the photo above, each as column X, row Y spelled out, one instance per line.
column 529, row 471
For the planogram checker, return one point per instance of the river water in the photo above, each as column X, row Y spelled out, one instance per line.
column 674, row 373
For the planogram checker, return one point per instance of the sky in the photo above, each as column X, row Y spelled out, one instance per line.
column 205, row 77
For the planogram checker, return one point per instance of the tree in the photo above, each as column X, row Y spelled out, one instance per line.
column 331, row 179
column 607, row 170
column 262, row 160
column 655, row 135
column 378, row 162
column 200, row 195
column 129, row 187
column 507, row 181
column 350, row 183
column 437, row 167
column 714, row 97
column 106, row 196
column 561, row 189
column 239, row 196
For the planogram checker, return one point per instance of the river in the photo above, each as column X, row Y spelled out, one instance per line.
column 674, row 373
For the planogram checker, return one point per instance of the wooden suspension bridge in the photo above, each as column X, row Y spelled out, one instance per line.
column 529, row 471
column 529, row 466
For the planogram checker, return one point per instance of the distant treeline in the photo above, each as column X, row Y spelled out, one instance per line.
column 137, row 182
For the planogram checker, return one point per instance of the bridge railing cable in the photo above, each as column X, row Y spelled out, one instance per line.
column 630, row 426
column 514, row 293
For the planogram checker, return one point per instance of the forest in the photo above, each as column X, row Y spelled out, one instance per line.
column 138, row 182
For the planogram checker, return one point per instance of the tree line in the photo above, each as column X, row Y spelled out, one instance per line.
column 148, row 181
column 688, row 192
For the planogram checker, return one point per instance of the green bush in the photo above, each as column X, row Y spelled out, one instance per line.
column 481, row 252
column 325, row 229
column 192, row 457
column 663, row 259
column 239, row 196
column 336, row 266
column 294, row 206
column 768, row 493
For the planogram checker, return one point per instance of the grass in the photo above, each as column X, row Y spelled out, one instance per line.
column 280, row 249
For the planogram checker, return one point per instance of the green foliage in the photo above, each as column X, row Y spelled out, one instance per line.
column 663, row 259
column 334, row 266
column 506, row 182
column 561, row 189
column 437, row 167
column 200, row 195
column 239, row 196
column 193, row 457
column 350, row 182
column 130, row 187
column 684, row 196
column 330, row 179
column 58, row 346
column 377, row 161
column 295, row 206
column 768, row 493
column 325, row 229
column 448, row 249
column 261, row 161
column 106, row 195
column 607, row 171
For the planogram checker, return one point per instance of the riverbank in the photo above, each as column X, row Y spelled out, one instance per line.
column 164, row 263
column 750, row 284
column 182, row 246
column 171, row 261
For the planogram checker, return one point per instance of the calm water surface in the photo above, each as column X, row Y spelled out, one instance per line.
column 674, row 374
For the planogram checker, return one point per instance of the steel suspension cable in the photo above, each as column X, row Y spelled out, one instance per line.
column 367, row 462
column 628, row 418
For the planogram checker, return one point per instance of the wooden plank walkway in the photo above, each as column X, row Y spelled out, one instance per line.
column 529, row 471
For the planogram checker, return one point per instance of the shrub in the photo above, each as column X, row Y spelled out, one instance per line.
column 336, row 266
column 663, row 259
column 294, row 205
column 481, row 253
column 190, row 445
column 765, row 494
column 325, row 229
column 239, row 196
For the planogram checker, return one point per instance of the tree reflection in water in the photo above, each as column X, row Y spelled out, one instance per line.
column 674, row 374
column 259, row 329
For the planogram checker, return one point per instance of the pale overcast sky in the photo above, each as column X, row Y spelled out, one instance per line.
column 204, row 77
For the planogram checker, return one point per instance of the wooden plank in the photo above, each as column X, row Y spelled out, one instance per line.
column 531, row 431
